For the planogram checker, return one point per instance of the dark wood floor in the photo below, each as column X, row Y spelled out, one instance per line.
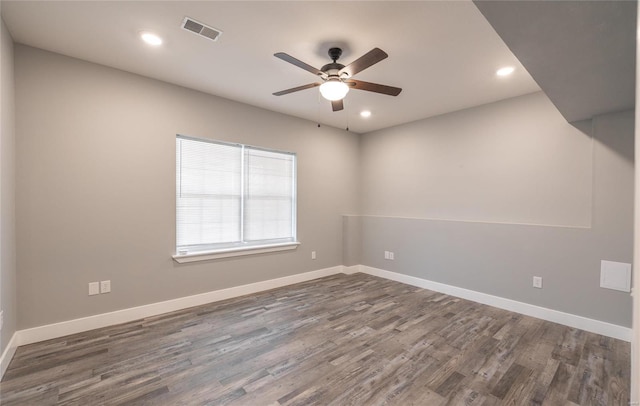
column 340, row 340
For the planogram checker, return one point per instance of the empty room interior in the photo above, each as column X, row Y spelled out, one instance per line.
column 318, row 203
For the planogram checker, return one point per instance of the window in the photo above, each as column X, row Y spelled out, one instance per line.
column 232, row 198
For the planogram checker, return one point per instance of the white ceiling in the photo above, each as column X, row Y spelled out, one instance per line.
column 443, row 54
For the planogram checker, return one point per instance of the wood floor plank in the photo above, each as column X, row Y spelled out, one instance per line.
column 560, row 384
column 340, row 340
column 543, row 381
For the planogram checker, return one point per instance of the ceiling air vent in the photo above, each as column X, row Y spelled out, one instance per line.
column 202, row 30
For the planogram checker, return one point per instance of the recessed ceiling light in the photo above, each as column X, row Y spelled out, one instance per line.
column 365, row 113
column 151, row 38
column 506, row 71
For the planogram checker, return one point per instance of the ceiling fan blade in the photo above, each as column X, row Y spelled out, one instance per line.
column 337, row 105
column 373, row 87
column 370, row 58
column 295, row 89
column 298, row 63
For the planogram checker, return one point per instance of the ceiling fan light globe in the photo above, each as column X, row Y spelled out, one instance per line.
column 334, row 90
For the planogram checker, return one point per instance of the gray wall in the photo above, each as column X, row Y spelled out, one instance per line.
column 635, row 341
column 515, row 161
column 7, row 190
column 449, row 195
column 483, row 198
column 352, row 239
column 96, row 197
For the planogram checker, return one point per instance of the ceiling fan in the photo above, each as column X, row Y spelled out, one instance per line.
column 337, row 78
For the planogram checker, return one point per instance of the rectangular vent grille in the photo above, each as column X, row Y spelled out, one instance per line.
column 202, row 30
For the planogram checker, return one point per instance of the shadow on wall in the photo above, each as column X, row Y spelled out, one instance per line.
column 619, row 145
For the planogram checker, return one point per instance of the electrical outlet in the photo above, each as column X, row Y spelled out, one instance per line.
column 391, row 255
column 94, row 288
column 537, row 282
column 386, row 255
column 105, row 286
column 313, row 255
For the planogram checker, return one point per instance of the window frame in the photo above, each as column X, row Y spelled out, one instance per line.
column 226, row 250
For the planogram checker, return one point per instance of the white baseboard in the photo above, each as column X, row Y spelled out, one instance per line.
column 567, row 319
column 64, row 328
column 7, row 354
column 350, row 270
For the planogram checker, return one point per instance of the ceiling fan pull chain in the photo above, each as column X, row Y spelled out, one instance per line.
column 346, row 112
column 318, row 109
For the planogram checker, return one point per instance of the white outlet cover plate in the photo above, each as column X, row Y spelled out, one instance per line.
column 537, row 282
column 615, row 275
column 105, row 286
column 94, row 288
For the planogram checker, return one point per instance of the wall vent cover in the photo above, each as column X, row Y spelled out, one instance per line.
column 200, row 29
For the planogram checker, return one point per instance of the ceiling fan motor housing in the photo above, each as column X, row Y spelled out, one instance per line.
column 332, row 70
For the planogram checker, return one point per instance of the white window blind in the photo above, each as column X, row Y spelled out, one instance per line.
column 232, row 195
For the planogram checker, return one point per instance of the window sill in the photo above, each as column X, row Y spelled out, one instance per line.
column 234, row 252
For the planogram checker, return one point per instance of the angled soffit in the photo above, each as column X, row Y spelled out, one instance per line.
column 581, row 53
